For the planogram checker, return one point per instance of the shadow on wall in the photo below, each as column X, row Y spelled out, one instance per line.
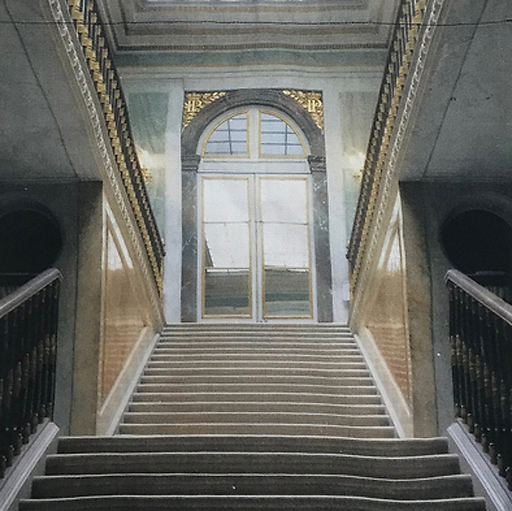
column 479, row 244
column 31, row 241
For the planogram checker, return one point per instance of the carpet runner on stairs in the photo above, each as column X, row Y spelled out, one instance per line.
column 256, row 417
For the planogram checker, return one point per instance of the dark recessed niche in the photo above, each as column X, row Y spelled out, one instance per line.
column 478, row 241
column 30, row 241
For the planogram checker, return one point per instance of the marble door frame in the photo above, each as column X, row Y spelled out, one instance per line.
column 317, row 166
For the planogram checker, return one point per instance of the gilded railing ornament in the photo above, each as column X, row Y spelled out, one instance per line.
column 146, row 175
column 195, row 102
column 89, row 29
column 311, row 102
column 411, row 16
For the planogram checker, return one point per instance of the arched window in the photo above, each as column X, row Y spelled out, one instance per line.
column 256, row 251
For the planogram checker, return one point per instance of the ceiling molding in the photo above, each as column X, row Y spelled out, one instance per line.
column 181, row 26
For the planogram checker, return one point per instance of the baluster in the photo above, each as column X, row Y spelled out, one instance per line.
column 507, row 364
column 453, row 349
column 492, row 347
column 477, row 377
column 488, row 413
column 4, row 332
column 54, row 313
column 467, row 412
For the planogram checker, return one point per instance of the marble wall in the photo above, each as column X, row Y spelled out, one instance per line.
column 123, row 321
column 387, row 319
column 129, row 322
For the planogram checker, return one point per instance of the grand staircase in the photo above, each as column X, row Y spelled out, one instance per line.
column 254, row 417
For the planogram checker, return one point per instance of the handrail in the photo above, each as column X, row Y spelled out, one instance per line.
column 409, row 19
column 481, row 353
column 27, row 290
column 494, row 303
column 89, row 28
column 28, row 354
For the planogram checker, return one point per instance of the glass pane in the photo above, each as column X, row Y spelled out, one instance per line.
column 226, row 248
column 285, row 245
column 286, row 258
column 225, row 200
column 284, row 200
column 287, row 292
column 278, row 138
column 226, row 245
column 229, row 138
column 226, row 292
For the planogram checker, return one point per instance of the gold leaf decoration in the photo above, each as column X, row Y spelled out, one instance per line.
column 146, row 174
column 311, row 102
column 195, row 102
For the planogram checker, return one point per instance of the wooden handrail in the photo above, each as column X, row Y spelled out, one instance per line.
column 494, row 303
column 28, row 355
column 24, row 292
column 481, row 358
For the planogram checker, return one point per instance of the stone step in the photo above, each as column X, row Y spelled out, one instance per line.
column 253, row 345
column 242, row 349
column 260, row 356
column 253, row 503
column 256, row 371
column 449, row 486
column 255, row 418
column 257, row 379
column 260, row 327
column 256, row 407
column 392, row 447
column 402, row 467
column 325, row 341
column 223, row 365
column 246, row 428
column 338, row 390
column 257, row 396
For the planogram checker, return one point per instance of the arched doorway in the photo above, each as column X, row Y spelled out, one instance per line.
column 256, row 254
column 264, row 151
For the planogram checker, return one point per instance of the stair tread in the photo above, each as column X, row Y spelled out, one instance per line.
column 252, row 484
column 267, row 503
column 403, row 467
column 384, row 447
column 254, row 428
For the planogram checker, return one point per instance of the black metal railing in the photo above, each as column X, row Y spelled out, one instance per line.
column 28, row 346
column 89, row 27
column 481, row 346
column 410, row 17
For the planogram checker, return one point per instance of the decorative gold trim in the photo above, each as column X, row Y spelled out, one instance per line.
column 386, row 126
column 195, row 102
column 115, row 164
column 387, row 173
column 146, row 175
column 311, row 102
